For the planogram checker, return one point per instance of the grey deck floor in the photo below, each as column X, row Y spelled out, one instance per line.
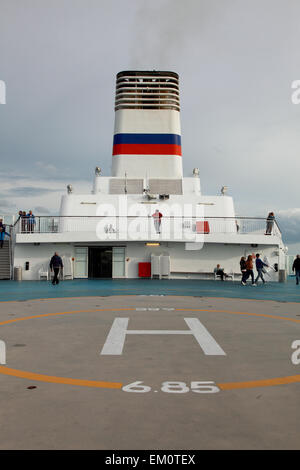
column 257, row 387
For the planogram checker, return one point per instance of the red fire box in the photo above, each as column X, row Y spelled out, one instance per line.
column 144, row 269
column 202, row 227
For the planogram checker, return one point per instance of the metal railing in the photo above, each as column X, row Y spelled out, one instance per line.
column 144, row 226
column 11, row 250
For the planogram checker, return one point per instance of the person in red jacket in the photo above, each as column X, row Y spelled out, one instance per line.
column 249, row 272
column 157, row 220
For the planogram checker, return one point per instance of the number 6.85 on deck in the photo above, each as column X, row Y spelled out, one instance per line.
column 174, row 387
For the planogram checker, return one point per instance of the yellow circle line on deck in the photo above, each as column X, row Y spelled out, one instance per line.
column 240, row 313
column 14, row 320
column 58, row 380
column 116, row 385
column 146, row 295
column 291, row 379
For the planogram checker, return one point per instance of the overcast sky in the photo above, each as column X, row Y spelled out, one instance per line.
column 236, row 60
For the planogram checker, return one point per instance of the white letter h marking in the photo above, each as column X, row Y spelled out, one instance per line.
column 115, row 340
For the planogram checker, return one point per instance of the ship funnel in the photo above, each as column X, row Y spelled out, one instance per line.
column 147, row 134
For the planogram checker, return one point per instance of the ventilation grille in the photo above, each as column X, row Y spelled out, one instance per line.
column 147, row 90
column 165, row 186
column 122, row 186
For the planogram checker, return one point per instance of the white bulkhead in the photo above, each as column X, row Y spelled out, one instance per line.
column 147, row 177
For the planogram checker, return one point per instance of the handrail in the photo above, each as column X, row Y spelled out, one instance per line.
column 171, row 217
column 10, row 252
column 226, row 225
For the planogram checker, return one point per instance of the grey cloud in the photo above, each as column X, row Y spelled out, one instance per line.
column 236, row 61
column 7, row 205
column 289, row 223
column 30, row 191
column 41, row 210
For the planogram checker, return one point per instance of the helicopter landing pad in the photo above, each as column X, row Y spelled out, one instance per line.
column 149, row 372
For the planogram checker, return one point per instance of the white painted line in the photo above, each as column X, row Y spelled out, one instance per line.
column 156, row 309
column 2, row 352
column 158, row 332
column 115, row 340
column 206, row 341
column 116, row 337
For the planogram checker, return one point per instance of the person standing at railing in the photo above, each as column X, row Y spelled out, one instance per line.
column 2, row 233
column 30, row 221
column 55, row 265
column 296, row 268
column 157, row 216
column 270, row 223
column 23, row 222
column 19, row 219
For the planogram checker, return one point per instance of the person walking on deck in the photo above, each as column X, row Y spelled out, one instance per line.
column 243, row 269
column 55, row 264
column 249, row 267
column 260, row 268
column 296, row 268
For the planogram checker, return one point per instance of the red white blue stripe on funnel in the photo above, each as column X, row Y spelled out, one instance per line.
column 147, row 144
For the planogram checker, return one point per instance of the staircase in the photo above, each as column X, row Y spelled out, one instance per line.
column 5, row 261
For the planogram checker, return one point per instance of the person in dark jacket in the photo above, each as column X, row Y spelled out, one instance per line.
column 296, row 268
column 270, row 223
column 55, row 264
column 259, row 268
column 220, row 272
column 243, row 269
column 24, row 222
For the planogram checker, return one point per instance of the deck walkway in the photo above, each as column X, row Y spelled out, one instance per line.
column 26, row 290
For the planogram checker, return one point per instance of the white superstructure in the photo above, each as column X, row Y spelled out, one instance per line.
column 146, row 212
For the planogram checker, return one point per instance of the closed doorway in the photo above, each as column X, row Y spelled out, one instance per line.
column 119, row 261
column 81, row 262
column 99, row 262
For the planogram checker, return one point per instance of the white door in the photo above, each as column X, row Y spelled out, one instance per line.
column 118, row 261
column 81, row 262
